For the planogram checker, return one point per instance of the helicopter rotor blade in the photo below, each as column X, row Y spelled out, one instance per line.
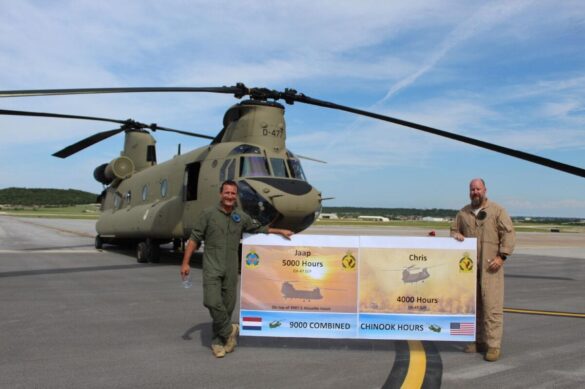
column 238, row 90
column 85, row 143
column 292, row 95
column 91, row 140
column 159, row 128
column 57, row 115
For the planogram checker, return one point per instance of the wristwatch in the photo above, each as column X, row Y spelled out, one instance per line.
column 503, row 256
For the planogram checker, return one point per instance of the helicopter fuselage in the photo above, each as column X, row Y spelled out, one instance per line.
column 161, row 201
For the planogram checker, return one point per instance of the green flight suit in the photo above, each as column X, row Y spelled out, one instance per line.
column 222, row 233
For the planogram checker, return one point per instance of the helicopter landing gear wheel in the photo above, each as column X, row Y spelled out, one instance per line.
column 99, row 242
column 147, row 251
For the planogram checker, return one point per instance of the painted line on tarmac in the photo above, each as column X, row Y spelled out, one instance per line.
column 78, row 233
column 25, row 273
column 416, row 365
column 545, row 313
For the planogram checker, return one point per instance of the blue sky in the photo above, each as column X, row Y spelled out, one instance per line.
column 506, row 72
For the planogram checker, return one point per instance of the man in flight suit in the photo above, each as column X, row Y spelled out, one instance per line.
column 491, row 225
column 221, row 228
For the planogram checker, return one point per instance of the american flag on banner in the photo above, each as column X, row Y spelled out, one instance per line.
column 462, row 329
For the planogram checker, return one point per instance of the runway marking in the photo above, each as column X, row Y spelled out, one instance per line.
column 418, row 364
column 545, row 313
column 416, row 367
column 25, row 273
column 78, row 233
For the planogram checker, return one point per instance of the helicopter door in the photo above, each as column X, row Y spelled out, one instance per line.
column 191, row 181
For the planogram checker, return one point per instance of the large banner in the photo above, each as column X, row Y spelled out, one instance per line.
column 367, row 287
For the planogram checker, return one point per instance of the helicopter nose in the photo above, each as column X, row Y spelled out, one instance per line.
column 291, row 204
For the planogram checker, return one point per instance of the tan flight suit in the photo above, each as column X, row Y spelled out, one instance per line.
column 221, row 232
column 495, row 235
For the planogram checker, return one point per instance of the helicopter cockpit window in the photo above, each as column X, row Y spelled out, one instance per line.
column 253, row 167
column 144, row 192
column 296, row 169
column 246, row 149
column 164, row 187
column 278, row 167
column 228, row 170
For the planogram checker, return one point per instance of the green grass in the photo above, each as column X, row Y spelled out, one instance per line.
column 89, row 211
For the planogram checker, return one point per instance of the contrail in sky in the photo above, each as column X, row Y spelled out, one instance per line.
column 483, row 19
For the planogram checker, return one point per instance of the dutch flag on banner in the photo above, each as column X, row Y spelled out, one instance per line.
column 252, row 323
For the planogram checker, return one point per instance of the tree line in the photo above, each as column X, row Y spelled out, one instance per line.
column 391, row 213
column 45, row 197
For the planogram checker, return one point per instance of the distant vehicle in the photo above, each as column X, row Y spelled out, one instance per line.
column 374, row 218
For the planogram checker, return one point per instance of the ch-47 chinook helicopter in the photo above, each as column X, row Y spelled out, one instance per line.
column 151, row 203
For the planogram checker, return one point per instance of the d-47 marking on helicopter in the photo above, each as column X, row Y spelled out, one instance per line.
column 149, row 203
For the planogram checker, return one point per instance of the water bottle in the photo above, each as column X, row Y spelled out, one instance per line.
column 187, row 283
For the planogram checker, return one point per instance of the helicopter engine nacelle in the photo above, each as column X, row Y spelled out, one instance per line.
column 120, row 168
column 99, row 173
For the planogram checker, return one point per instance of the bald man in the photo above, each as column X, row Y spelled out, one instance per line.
column 491, row 225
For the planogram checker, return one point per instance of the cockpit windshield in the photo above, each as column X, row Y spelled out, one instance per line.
column 252, row 166
column 278, row 167
column 296, row 169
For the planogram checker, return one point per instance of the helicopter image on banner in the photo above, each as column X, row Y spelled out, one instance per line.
column 149, row 203
column 290, row 292
column 410, row 275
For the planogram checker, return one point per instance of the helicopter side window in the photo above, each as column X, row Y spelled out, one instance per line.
column 296, row 169
column 145, row 192
column 278, row 167
column 253, row 167
column 228, row 170
column 164, row 188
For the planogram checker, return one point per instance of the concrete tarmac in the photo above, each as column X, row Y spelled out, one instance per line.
column 72, row 316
